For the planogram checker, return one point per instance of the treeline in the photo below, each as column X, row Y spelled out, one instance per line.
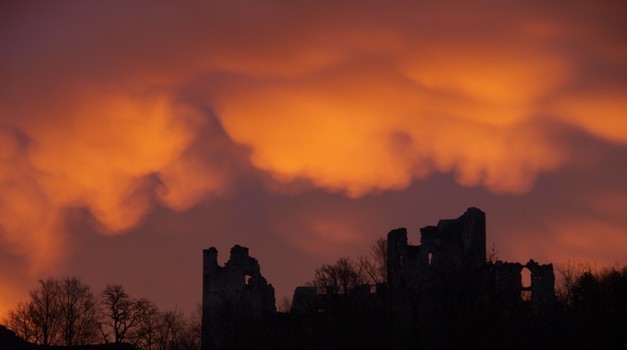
column 592, row 306
column 67, row 313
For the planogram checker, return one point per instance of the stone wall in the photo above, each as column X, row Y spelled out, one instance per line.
column 236, row 298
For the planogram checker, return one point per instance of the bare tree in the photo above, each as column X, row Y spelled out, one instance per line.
column 67, row 313
column 20, row 320
column 36, row 320
column 375, row 265
column 339, row 278
column 492, row 255
column 120, row 315
column 58, row 313
column 284, row 305
column 77, row 311
column 568, row 276
column 190, row 337
column 44, row 310
column 172, row 326
column 146, row 335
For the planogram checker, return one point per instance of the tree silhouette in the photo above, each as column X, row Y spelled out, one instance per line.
column 77, row 308
column 189, row 338
column 20, row 320
column 339, row 278
column 65, row 312
column 284, row 304
column 146, row 337
column 44, row 311
column 116, row 316
column 172, row 328
column 375, row 265
column 122, row 317
column 593, row 306
column 58, row 313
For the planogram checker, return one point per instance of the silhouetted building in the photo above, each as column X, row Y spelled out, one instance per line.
column 235, row 298
column 440, row 293
column 444, row 290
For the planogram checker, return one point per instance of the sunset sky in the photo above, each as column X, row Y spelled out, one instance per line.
column 135, row 134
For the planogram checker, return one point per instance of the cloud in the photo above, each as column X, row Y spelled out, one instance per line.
column 461, row 96
column 600, row 113
column 119, row 109
column 360, row 133
column 100, row 158
column 328, row 95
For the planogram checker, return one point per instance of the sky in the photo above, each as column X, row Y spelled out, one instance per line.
column 135, row 134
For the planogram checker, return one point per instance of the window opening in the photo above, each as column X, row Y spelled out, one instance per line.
column 525, row 275
column 525, row 282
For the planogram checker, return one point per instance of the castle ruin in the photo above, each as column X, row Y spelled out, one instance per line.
column 235, row 297
column 438, row 292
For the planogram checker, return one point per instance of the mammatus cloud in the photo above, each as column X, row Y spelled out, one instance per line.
column 104, row 106
column 363, row 130
column 460, row 97
column 106, row 153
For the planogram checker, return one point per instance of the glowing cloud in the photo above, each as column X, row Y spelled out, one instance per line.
column 103, row 152
column 450, row 95
column 365, row 128
column 103, row 105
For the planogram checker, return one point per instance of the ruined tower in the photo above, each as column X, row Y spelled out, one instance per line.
column 445, row 284
column 431, row 284
column 235, row 299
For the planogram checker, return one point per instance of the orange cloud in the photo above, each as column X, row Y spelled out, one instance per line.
column 99, row 157
column 367, row 128
column 600, row 113
column 103, row 152
column 460, row 98
column 100, row 110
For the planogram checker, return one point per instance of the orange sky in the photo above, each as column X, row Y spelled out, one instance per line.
column 133, row 133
